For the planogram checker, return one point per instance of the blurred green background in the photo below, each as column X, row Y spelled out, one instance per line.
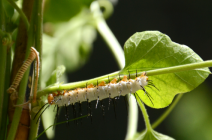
column 71, row 39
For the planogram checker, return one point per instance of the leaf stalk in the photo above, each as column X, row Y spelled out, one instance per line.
column 21, row 13
column 107, row 34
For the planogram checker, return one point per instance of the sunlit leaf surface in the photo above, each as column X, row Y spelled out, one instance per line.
column 153, row 50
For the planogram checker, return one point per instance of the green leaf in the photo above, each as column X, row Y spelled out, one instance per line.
column 60, row 11
column 56, row 74
column 70, row 45
column 153, row 50
column 9, row 10
column 152, row 135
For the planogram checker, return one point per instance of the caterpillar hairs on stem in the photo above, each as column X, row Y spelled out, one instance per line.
column 101, row 91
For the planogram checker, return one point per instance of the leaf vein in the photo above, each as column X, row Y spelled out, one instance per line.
column 153, row 46
column 187, row 57
column 200, row 74
column 184, row 80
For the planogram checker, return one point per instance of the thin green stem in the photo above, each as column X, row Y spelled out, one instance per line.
column 33, row 127
column 107, row 34
column 167, row 112
column 145, row 115
column 118, row 52
column 37, row 10
column 3, row 54
column 1, row 33
column 18, row 110
column 3, row 130
column 21, row 13
column 180, row 68
column 132, row 117
column 2, row 17
column 39, row 34
column 60, row 87
column 108, row 8
column 58, row 124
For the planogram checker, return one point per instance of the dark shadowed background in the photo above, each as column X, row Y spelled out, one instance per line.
column 184, row 21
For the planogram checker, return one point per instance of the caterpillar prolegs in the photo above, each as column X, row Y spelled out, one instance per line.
column 101, row 91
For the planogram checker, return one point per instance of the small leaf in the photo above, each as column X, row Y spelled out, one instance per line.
column 153, row 50
column 152, row 135
column 56, row 74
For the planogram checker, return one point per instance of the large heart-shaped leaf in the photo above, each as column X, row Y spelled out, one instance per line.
column 153, row 50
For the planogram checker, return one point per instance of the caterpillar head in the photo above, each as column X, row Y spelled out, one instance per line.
column 50, row 98
column 143, row 79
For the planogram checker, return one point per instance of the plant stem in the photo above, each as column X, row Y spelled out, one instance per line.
column 3, row 128
column 132, row 75
column 132, row 118
column 145, row 115
column 118, row 52
column 3, row 54
column 107, row 34
column 180, row 68
column 34, row 127
column 18, row 110
column 167, row 112
column 2, row 17
column 108, row 8
column 38, row 17
column 23, row 43
column 21, row 13
column 71, row 85
column 1, row 33
column 58, row 124
column 38, row 42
